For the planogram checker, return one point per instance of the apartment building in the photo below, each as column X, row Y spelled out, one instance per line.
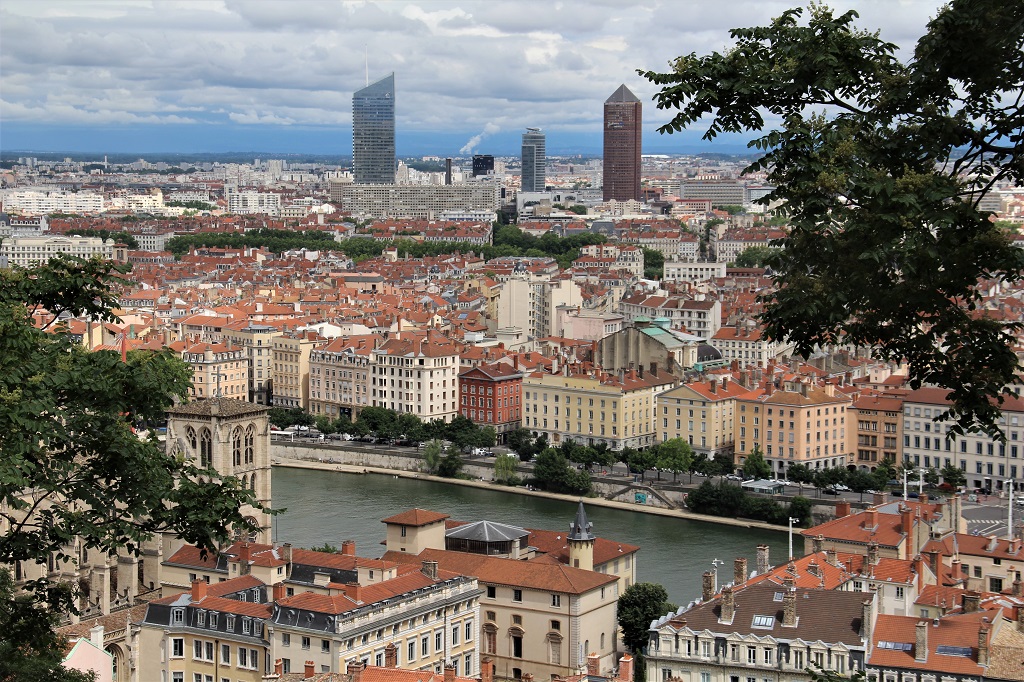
column 702, row 413
column 763, row 632
column 629, row 258
column 592, row 406
column 418, row 373
column 257, row 343
column 290, row 372
column 218, row 369
column 802, row 423
column 27, row 251
column 247, row 203
column 207, row 633
column 421, row 202
column 986, row 462
column 537, row 617
column 876, row 423
column 687, row 270
column 491, row 395
column 33, row 202
column 746, row 343
column 699, row 315
column 533, row 305
column 340, row 375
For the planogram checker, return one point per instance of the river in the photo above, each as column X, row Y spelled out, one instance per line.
column 329, row 506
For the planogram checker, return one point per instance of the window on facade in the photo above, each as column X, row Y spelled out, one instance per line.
column 177, row 647
column 517, row 595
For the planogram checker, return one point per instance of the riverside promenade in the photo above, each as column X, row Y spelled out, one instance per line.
column 313, row 459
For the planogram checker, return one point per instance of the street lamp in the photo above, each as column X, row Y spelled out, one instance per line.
column 791, row 522
column 715, row 563
column 1009, row 506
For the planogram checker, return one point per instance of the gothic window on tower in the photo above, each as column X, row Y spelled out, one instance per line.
column 250, row 441
column 236, row 446
column 205, row 448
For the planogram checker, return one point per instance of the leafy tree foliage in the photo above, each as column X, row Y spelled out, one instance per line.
column 755, row 465
column 952, row 475
column 432, row 454
column 505, row 467
column 73, row 468
column 674, row 455
column 552, row 472
column 118, row 237
column 638, row 605
column 642, row 460
column 880, row 166
column 327, row 548
column 800, row 474
column 451, row 464
column 755, row 256
column 654, row 263
column 800, row 509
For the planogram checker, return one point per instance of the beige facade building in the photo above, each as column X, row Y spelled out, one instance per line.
column 875, row 425
column 533, row 305
column 592, row 406
column 703, row 413
column 257, row 342
column 290, row 375
column 803, row 423
column 424, row 202
column 536, row 616
column 28, row 250
column 218, row 369
column 418, row 373
column 340, row 375
column 745, row 343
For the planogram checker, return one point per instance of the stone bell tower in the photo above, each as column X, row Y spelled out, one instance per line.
column 234, row 437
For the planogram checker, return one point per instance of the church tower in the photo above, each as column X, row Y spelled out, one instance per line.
column 234, row 437
column 581, row 541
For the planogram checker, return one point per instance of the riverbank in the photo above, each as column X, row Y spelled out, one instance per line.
column 520, row 490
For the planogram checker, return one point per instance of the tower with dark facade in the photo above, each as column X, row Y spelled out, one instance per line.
column 373, row 133
column 483, row 164
column 622, row 141
column 534, row 161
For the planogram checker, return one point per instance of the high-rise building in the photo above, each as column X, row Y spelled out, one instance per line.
column 373, row 133
column 622, row 137
column 534, row 160
column 483, row 164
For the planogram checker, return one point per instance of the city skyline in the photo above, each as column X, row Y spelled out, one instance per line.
column 183, row 77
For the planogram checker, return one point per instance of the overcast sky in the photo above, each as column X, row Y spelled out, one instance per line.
column 278, row 75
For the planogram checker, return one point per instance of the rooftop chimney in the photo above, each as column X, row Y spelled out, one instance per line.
column 707, row 586
column 983, row 645
column 831, row 556
column 449, row 673
column 763, row 565
column 355, row 670
column 866, row 617
column 871, row 519
column 971, row 602
column 817, row 543
column 430, row 569
column 487, row 670
column 728, row 610
column 309, row 671
column 96, row 636
column 921, row 642
column 279, row 591
column 198, row 590
column 279, row 667
column 348, row 547
column 593, row 664
column 814, row 569
column 842, row 509
column 789, row 608
column 391, row 655
column 626, row 668
column 873, row 553
column 739, row 570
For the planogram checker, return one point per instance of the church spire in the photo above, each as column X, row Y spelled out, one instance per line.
column 580, row 529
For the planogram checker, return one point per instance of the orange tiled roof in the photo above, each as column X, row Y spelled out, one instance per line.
column 415, row 518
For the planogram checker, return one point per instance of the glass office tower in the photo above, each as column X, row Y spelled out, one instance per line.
column 534, row 160
column 373, row 133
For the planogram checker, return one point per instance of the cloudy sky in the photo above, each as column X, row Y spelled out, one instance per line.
column 278, row 75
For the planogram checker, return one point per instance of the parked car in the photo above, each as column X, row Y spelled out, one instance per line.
column 830, row 491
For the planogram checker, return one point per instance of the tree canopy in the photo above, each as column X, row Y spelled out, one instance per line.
column 880, row 166
column 638, row 605
column 73, row 467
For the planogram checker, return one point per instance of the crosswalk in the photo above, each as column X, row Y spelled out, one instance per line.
column 986, row 527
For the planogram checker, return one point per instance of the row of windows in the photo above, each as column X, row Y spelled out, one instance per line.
column 205, row 651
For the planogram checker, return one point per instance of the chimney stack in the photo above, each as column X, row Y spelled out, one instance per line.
column 831, row 556
column 449, row 673
column 921, row 642
column 348, row 547
column 707, row 586
column 842, row 509
column 593, row 664
column 817, row 543
column 873, row 553
column 789, row 608
column 739, row 570
column 763, row 565
column 814, row 569
column 198, row 590
column 971, row 602
column 96, row 636
column 309, row 671
column 279, row 667
column 391, row 655
column 866, row 617
column 430, row 569
column 487, row 670
column 1018, row 589
column 983, row 645
column 279, row 592
column 355, row 670
column 728, row 610
column 626, row 668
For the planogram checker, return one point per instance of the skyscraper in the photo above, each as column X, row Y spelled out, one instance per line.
column 373, row 133
column 622, row 136
column 482, row 164
column 534, row 160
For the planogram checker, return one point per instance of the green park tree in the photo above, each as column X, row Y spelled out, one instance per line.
column 505, row 467
column 73, row 467
column 638, row 605
column 881, row 166
column 953, row 475
column 675, row 455
column 432, row 454
column 755, row 466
